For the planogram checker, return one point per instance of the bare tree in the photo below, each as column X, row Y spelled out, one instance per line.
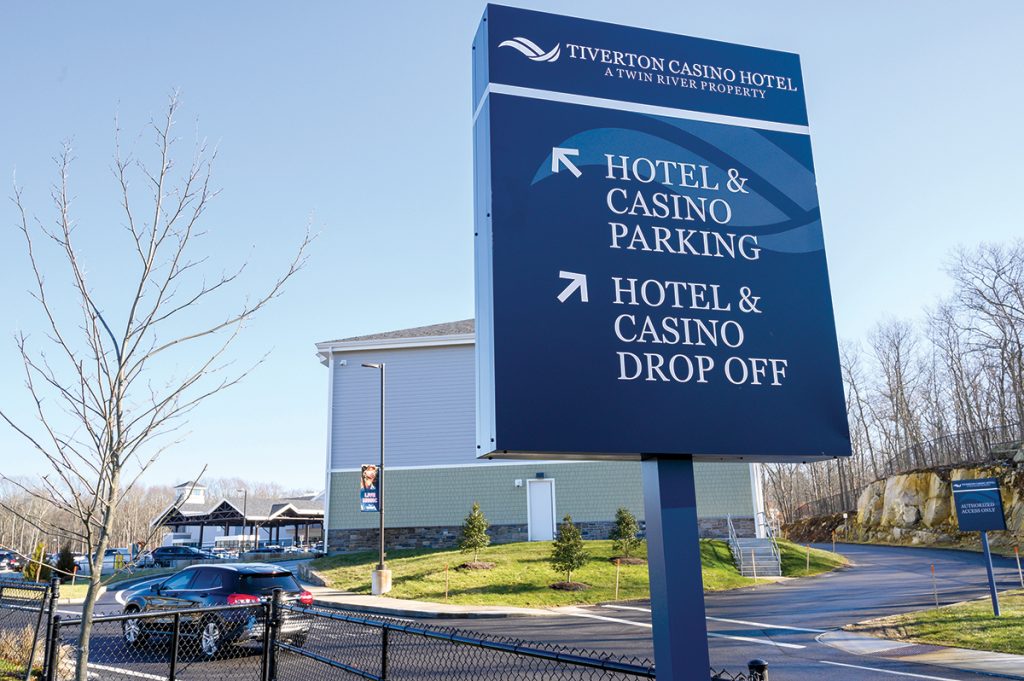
column 114, row 389
column 990, row 291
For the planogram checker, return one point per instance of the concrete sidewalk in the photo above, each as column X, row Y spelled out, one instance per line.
column 978, row 661
column 397, row 607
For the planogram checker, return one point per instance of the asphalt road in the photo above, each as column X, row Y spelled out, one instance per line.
column 779, row 623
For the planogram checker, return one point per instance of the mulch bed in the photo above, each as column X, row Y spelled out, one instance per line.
column 476, row 565
column 628, row 561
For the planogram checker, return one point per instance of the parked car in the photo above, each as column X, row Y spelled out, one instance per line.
column 110, row 561
column 11, row 561
column 167, row 556
column 205, row 586
column 273, row 550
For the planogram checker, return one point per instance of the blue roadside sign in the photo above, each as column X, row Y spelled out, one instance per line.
column 650, row 264
column 979, row 505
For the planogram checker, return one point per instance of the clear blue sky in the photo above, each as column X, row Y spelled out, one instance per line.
column 358, row 114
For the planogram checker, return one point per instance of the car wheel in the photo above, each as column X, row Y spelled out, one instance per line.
column 210, row 638
column 299, row 641
column 131, row 629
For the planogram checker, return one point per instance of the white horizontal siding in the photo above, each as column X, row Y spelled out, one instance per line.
column 430, row 407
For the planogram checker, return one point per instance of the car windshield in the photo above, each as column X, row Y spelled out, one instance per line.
column 266, row 583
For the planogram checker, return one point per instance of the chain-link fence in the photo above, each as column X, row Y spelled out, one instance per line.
column 339, row 645
column 25, row 611
column 225, row 642
column 271, row 641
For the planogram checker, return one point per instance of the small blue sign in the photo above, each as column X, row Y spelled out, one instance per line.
column 651, row 273
column 979, row 505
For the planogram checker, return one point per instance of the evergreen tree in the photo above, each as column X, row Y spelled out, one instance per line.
column 567, row 553
column 37, row 570
column 624, row 534
column 474, row 532
column 65, row 563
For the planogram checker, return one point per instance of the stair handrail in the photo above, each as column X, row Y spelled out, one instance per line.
column 734, row 544
column 770, row 531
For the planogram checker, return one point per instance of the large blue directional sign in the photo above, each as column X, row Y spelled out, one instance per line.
column 651, row 275
column 979, row 505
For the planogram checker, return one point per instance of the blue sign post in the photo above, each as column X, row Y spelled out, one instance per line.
column 650, row 271
column 979, row 508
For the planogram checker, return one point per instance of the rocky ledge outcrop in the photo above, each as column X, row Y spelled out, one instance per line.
column 917, row 508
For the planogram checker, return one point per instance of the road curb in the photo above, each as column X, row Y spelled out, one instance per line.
column 399, row 611
column 959, row 659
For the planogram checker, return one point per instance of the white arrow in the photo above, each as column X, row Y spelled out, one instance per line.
column 576, row 281
column 561, row 156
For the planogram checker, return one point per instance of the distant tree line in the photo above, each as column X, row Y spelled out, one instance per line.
column 26, row 520
column 941, row 389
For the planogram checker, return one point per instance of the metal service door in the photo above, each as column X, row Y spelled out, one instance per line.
column 540, row 496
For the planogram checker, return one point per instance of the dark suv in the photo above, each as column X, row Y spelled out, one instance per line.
column 166, row 556
column 11, row 561
column 206, row 586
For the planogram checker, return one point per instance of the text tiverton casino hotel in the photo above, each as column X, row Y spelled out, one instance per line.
column 681, row 73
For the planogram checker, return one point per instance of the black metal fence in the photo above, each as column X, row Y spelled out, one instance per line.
column 968, row 447
column 379, row 649
column 26, row 610
column 976, row 447
column 272, row 641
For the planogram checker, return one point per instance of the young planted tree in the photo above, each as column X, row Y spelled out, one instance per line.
column 65, row 563
column 624, row 534
column 474, row 532
column 567, row 552
column 37, row 569
column 118, row 366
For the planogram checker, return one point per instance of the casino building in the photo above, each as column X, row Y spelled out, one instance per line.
column 432, row 475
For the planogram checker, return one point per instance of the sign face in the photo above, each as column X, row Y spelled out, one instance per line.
column 368, row 492
column 650, row 265
column 979, row 505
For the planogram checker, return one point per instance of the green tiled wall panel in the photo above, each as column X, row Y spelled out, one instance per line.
column 588, row 491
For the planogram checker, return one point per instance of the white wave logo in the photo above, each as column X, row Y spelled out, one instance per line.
column 531, row 50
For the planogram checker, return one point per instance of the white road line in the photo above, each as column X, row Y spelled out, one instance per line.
column 626, row 607
column 747, row 639
column 767, row 626
column 608, row 619
column 763, row 625
column 888, row 671
column 67, row 612
column 126, row 672
column 751, row 639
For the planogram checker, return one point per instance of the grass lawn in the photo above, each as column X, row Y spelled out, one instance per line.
column 76, row 591
column 794, row 560
column 143, row 573
column 964, row 625
column 522, row 575
column 9, row 670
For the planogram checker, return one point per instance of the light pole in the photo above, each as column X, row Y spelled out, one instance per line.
column 382, row 576
column 245, row 513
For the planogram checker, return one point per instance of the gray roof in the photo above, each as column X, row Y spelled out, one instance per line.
column 446, row 329
column 256, row 508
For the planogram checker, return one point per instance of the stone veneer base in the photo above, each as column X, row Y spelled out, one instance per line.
column 445, row 537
